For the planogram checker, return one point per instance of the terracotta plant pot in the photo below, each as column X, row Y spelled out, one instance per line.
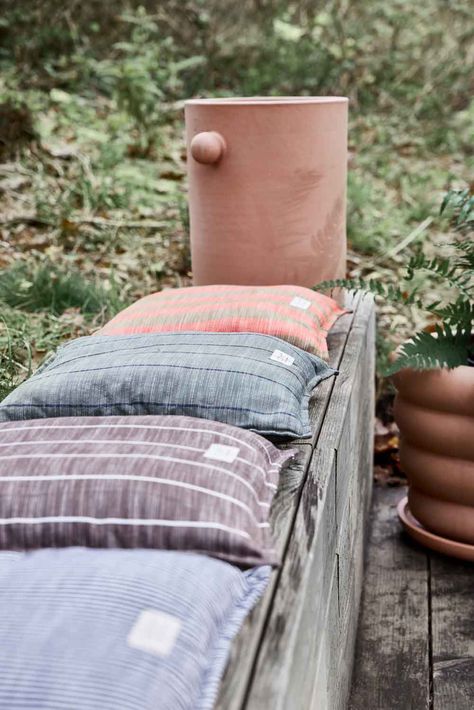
column 434, row 410
column 267, row 189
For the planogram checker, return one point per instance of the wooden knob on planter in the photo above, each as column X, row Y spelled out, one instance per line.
column 208, row 147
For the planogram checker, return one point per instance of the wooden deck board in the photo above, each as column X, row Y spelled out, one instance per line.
column 415, row 646
column 452, row 611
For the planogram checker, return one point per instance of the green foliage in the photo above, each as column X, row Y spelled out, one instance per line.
column 16, row 127
column 47, row 288
column 451, row 271
column 94, row 146
column 443, row 348
column 15, row 351
column 142, row 74
column 42, row 305
column 450, row 342
column 459, row 204
column 388, row 292
column 26, row 338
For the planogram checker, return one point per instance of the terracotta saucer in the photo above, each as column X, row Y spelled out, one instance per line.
column 441, row 544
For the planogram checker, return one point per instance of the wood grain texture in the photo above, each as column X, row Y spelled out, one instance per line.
column 285, row 667
column 353, row 492
column 291, row 647
column 299, row 631
column 452, row 610
column 392, row 652
column 245, row 647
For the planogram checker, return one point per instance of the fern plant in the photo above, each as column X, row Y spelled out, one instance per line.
column 450, row 342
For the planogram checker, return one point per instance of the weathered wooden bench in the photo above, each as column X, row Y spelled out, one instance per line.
column 296, row 650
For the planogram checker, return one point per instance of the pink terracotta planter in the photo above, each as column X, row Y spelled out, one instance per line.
column 434, row 410
column 267, row 189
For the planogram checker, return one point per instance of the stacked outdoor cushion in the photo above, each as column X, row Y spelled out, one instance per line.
column 175, row 483
column 250, row 380
column 148, row 435
column 90, row 629
column 295, row 314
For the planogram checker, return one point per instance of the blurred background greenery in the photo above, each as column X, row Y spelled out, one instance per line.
column 92, row 164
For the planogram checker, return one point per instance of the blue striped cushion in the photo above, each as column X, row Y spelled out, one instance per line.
column 90, row 629
column 253, row 381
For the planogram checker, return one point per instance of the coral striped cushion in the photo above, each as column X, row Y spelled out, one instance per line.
column 298, row 315
column 166, row 482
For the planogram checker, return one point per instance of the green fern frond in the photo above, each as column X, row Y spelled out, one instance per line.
column 465, row 258
column 462, row 244
column 459, row 315
column 447, row 269
column 461, row 204
column 425, row 351
column 388, row 292
column 452, row 342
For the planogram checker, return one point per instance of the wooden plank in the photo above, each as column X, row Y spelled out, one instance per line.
column 322, row 673
column 452, row 614
column 353, row 484
column 245, row 646
column 289, row 645
column 349, row 525
column 343, row 642
column 286, row 665
column 392, row 651
column 240, row 668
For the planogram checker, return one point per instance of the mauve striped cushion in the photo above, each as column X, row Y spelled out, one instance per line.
column 85, row 629
column 162, row 482
column 295, row 314
column 250, row 380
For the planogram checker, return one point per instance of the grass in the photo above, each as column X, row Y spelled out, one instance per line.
column 92, row 168
column 46, row 288
column 41, row 306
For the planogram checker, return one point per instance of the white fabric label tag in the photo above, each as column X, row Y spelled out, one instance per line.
column 302, row 303
column 280, row 356
column 221, row 452
column 154, row 632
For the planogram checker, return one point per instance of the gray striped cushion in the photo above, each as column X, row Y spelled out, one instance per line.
column 161, row 482
column 253, row 381
column 118, row 629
